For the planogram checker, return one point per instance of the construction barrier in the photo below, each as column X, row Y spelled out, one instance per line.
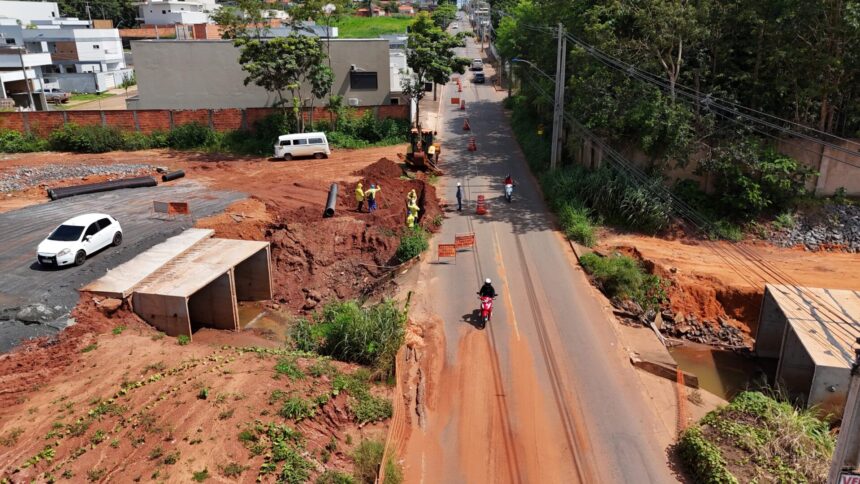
column 480, row 208
column 464, row 241
column 466, row 126
column 455, row 100
column 170, row 209
column 447, row 251
column 472, row 145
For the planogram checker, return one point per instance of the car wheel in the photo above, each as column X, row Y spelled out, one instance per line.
column 288, row 157
column 117, row 239
column 80, row 257
column 319, row 156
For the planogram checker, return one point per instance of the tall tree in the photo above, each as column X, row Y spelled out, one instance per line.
column 430, row 55
column 123, row 13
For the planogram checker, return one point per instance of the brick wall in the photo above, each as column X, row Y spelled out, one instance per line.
column 149, row 120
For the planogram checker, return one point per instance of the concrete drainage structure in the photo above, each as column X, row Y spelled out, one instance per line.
column 191, row 281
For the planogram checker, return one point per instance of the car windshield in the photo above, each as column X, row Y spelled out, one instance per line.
column 66, row 233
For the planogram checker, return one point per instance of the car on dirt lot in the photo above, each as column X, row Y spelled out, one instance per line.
column 304, row 144
column 77, row 238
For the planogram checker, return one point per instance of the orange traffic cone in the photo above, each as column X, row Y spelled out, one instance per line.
column 462, row 105
column 466, row 126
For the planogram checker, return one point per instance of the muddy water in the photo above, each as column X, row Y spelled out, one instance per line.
column 256, row 316
column 723, row 373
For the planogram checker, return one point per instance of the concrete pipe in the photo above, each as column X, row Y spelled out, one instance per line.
column 65, row 192
column 331, row 203
column 173, row 175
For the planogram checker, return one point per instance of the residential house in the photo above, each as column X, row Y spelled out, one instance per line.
column 406, row 9
column 21, row 76
column 27, row 12
column 172, row 12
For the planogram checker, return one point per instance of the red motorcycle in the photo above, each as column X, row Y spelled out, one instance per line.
column 486, row 309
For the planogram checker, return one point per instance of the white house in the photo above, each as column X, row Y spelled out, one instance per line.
column 26, row 13
column 172, row 12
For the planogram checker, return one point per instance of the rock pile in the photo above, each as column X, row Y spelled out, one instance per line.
column 27, row 177
column 833, row 227
column 717, row 333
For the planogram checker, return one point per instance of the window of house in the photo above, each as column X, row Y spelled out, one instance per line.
column 363, row 81
column 10, row 41
column 395, row 101
column 164, row 12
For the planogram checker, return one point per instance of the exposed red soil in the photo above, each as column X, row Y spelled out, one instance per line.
column 712, row 280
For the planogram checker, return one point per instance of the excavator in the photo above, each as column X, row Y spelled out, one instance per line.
column 416, row 157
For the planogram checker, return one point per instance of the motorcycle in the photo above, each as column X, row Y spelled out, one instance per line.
column 486, row 309
column 509, row 192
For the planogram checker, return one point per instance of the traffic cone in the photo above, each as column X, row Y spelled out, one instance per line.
column 480, row 207
column 472, row 145
column 462, row 105
column 459, row 87
column 466, row 126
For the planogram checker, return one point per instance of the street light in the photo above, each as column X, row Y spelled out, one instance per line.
column 532, row 64
column 558, row 102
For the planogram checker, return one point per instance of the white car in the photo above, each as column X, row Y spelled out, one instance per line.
column 477, row 65
column 77, row 238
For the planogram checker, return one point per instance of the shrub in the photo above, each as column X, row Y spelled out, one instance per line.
column 183, row 340
column 703, row 459
column 785, row 221
column 200, row 476
column 86, row 139
column 12, row 141
column 367, row 336
column 297, row 409
column 412, row 243
column 287, row 366
column 233, row 469
column 621, row 277
column 368, row 457
column 334, row 477
column 296, row 468
column 576, row 225
column 370, row 408
column 192, row 135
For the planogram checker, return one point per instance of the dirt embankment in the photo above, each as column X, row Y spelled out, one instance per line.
column 719, row 284
column 315, row 258
column 133, row 404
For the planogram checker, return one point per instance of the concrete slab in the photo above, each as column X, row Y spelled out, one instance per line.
column 120, row 281
column 648, row 354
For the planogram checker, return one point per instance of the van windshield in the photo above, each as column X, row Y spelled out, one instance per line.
column 66, row 233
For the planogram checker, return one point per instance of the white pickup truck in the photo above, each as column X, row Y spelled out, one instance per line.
column 56, row 96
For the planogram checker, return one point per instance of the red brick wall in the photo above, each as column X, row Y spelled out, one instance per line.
column 149, row 120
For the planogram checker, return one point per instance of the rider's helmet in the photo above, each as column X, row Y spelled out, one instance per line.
column 488, row 281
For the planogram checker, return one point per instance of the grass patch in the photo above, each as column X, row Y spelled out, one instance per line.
column 183, row 340
column 757, row 437
column 348, row 332
column 288, row 366
column 785, row 221
column 576, row 224
column 10, row 438
column 368, row 458
column 621, row 277
column 89, row 348
column 118, row 329
column 200, row 476
column 95, row 475
column 351, row 27
column 297, row 409
column 334, row 477
column 412, row 243
column 85, row 96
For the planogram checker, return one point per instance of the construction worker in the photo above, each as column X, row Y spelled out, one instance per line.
column 431, row 153
column 412, row 196
column 359, row 196
column 410, row 221
column 413, row 209
column 459, row 198
column 370, row 193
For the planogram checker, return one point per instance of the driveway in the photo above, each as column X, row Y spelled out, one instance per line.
column 36, row 301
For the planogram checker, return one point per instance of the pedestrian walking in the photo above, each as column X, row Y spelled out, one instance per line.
column 459, row 198
column 359, row 196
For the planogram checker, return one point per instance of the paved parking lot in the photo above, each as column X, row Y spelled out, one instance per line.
column 47, row 295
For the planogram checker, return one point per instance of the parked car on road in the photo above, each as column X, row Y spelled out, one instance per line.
column 77, row 238
column 56, row 96
column 477, row 65
column 290, row 146
column 479, row 78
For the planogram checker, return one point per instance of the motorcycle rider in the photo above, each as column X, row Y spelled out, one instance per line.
column 509, row 187
column 509, row 180
column 487, row 290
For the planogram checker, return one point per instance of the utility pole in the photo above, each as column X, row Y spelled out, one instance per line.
column 26, row 80
column 558, row 108
column 845, row 466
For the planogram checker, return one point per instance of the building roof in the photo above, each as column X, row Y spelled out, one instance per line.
column 827, row 321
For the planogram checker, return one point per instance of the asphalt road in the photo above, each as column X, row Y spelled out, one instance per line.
column 544, row 394
column 24, row 283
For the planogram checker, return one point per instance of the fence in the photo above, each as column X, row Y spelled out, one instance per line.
column 146, row 121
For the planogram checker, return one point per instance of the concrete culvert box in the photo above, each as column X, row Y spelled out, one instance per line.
column 196, row 282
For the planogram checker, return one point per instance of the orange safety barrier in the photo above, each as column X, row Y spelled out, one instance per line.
column 472, row 145
column 455, row 100
column 480, row 208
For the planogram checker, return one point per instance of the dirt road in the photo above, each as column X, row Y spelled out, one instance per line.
column 544, row 393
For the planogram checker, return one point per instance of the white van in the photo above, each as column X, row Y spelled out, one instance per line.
column 306, row 144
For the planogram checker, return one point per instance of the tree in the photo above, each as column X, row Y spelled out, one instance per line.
column 243, row 20
column 430, row 55
column 123, row 13
column 283, row 64
column 128, row 80
column 444, row 14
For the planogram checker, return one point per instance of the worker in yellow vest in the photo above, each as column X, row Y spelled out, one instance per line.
column 359, row 196
column 410, row 221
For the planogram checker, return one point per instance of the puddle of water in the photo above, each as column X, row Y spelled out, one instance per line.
column 253, row 315
column 723, row 373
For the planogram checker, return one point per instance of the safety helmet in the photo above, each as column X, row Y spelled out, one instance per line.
column 488, row 281
column 359, row 184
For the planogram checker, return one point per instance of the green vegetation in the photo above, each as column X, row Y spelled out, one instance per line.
column 621, row 277
column 85, row 97
column 757, row 438
column 280, row 444
column 297, row 409
column 412, row 243
column 200, row 476
column 118, row 329
column 10, row 438
column 96, row 474
column 370, row 27
column 203, row 394
column 233, row 469
column 355, row 334
column 183, row 340
column 368, row 457
column 288, row 366
column 98, row 437
column 12, row 141
column 576, row 224
column 89, row 348
column 335, row 477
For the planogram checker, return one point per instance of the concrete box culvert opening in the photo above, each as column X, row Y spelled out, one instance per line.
column 196, row 283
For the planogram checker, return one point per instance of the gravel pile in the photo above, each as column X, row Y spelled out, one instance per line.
column 27, row 177
column 834, row 226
